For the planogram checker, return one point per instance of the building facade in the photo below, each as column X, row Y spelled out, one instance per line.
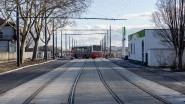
column 7, row 37
column 146, row 49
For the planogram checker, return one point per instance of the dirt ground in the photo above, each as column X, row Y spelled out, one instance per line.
column 7, row 66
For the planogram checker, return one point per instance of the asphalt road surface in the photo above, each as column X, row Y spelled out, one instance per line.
column 14, row 79
column 83, row 81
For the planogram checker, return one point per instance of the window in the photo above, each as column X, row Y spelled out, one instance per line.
column 96, row 48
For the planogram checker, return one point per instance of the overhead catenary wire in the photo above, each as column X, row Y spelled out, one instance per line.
column 88, row 34
column 85, row 18
column 84, row 29
column 125, row 7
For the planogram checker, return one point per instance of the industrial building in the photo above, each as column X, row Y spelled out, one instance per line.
column 145, row 48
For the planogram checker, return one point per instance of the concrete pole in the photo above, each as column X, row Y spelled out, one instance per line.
column 123, row 41
column 56, row 43
column 69, row 46
column 61, row 44
column 66, row 44
column 110, row 41
column 53, row 40
column 107, row 38
column 72, row 43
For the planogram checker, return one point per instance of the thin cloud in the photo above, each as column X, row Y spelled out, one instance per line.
column 143, row 15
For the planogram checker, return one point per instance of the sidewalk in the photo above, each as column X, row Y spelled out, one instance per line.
column 172, row 80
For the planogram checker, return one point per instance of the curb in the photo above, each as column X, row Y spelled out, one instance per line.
column 17, row 69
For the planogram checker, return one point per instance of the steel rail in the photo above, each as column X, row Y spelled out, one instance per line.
column 29, row 99
column 119, row 101
column 73, row 88
column 143, row 89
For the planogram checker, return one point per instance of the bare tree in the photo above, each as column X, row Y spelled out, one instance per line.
column 170, row 19
column 36, row 8
column 6, row 9
column 65, row 8
column 29, row 42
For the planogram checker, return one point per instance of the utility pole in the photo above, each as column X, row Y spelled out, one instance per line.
column 53, row 40
column 107, row 38
column 61, row 43
column 46, row 56
column 110, row 41
column 69, row 47
column 18, row 37
column 104, row 42
column 56, row 44
column 103, row 46
column 123, row 41
column 72, row 42
column 66, row 43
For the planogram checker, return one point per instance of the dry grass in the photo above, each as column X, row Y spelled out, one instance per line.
column 13, row 65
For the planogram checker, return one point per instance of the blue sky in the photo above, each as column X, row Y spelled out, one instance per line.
column 137, row 12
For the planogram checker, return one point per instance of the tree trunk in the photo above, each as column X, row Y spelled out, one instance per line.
column 22, row 50
column 45, row 55
column 180, row 57
column 35, row 48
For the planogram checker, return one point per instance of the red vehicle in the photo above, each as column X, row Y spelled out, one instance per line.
column 96, row 51
column 93, row 51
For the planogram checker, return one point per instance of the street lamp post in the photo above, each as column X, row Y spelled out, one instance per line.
column 18, row 37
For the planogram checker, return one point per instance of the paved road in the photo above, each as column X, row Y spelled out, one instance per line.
column 173, row 80
column 129, row 93
column 90, row 89
column 14, row 79
column 101, row 82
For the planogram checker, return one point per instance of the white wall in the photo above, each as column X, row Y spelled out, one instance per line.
column 162, row 57
column 13, row 55
column 40, row 54
column 151, row 42
column 28, row 55
column 137, row 55
column 158, row 54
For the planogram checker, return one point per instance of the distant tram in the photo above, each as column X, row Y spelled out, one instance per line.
column 93, row 51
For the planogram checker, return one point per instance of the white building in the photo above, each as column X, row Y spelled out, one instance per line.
column 40, row 54
column 146, row 49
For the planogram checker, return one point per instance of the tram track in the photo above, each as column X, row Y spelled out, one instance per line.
column 136, row 85
column 73, row 88
column 27, row 101
column 72, row 91
column 118, row 100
